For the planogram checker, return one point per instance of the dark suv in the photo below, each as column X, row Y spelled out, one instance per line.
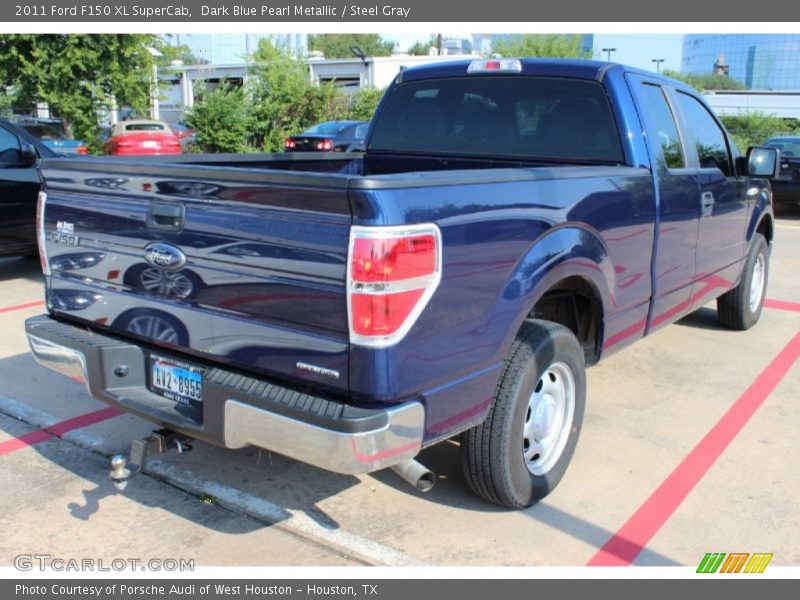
column 19, row 188
column 786, row 186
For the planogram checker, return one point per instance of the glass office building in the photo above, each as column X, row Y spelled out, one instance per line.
column 760, row 61
column 235, row 48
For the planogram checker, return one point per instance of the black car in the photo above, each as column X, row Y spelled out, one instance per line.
column 331, row 136
column 786, row 186
column 19, row 189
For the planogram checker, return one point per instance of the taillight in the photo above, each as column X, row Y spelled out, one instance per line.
column 289, row 144
column 392, row 274
column 40, row 232
column 325, row 145
column 83, row 150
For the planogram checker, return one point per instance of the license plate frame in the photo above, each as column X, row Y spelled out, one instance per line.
column 176, row 380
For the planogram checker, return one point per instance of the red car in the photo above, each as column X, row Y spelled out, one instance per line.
column 143, row 137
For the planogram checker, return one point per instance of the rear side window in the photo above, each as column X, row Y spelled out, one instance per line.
column 712, row 149
column 518, row 117
column 666, row 129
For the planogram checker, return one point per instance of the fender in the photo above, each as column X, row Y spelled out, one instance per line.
column 569, row 250
column 761, row 211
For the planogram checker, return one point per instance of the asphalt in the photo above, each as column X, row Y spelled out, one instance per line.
column 689, row 446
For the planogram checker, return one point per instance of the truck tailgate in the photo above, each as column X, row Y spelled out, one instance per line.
column 248, row 271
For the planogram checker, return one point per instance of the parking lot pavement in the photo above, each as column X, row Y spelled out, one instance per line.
column 688, row 447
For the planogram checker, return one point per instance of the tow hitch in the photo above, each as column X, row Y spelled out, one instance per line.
column 158, row 442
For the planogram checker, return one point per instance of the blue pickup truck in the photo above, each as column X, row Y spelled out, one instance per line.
column 509, row 223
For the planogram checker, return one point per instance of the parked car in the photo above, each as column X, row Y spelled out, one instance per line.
column 183, row 132
column 511, row 222
column 786, row 185
column 331, row 136
column 19, row 188
column 55, row 139
column 142, row 137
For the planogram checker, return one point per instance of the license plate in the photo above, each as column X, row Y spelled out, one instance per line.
column 150, row 144
column 176, row 381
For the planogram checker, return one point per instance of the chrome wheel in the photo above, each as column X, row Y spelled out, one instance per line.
column 153, row 328
column 167, row 284
column 548, row 420
column 757, row 282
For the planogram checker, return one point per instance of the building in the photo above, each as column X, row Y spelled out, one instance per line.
column 232, row 48
column 785, row 105
column 759, row 61
column 482, row 43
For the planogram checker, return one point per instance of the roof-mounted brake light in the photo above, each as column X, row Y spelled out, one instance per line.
column 495, row 65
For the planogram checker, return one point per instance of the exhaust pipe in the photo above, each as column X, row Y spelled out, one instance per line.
column 417, row 475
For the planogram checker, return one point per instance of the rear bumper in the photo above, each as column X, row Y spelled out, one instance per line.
column 237, row 410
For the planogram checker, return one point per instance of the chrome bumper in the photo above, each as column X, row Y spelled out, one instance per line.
column 355, row 441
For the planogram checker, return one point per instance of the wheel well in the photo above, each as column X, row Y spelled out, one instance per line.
column 575, row 304
column 765, row 228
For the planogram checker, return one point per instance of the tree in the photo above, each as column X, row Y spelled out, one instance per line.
column 364, row 103
column 547, row 45
column 337, row 45
column 755, row 128
column 710, row 81
column 182, row 53
column 419, row 49
column 283, row 101
column 220, row 119
column 78, row 75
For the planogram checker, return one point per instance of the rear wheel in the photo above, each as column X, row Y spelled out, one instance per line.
column 740, row 308
column 521, row 451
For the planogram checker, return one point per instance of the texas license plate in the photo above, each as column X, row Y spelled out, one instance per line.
column 176, row 381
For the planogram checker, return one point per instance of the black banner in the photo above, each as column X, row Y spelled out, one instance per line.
column 359, row 11
column 392, row 589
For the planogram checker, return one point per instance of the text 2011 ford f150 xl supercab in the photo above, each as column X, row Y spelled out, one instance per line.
column 509, row 223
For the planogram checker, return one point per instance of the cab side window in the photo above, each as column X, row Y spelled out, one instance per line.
column 666, row 129
column 712, row 148
column 9, row 148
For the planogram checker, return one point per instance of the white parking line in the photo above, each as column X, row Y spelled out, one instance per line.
column 782, row 226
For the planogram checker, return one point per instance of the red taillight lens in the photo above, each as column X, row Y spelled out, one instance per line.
column 394, row 258
column 393, row 272
column 325, row 145
column 83, row 150
column 40, row 232
column 289, row 144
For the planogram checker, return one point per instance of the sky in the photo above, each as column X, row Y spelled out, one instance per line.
column 633, row 50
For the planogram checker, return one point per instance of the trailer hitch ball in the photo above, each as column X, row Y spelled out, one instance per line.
column 120, row 474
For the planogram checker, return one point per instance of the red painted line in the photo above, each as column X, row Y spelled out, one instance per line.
column 782, row 305
column 626, row 544
column 58, row 429
column 6, row 309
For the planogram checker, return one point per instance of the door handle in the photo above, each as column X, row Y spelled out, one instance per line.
column 166, row 216
column 707, row 203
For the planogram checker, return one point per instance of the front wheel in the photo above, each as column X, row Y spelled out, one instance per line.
column 740, row 308
column 521, row 451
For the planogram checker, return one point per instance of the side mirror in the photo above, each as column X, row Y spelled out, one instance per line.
column 762, row 162
column 27, row 154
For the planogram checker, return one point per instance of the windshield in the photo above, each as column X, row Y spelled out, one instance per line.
column 787, row 146
column 503, row 116
column 329, row 128
column 43, row 132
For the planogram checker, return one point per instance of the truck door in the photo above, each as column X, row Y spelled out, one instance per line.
column 678, row 207
column 723, row 199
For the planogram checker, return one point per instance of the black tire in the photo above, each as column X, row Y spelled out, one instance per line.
column 733, row 307
column 492, row 452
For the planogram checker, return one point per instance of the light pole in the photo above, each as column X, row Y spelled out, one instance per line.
column 154, row 112
column 608, row 52
column 658, row 62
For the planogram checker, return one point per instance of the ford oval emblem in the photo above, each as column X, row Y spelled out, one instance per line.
column 165, row 256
